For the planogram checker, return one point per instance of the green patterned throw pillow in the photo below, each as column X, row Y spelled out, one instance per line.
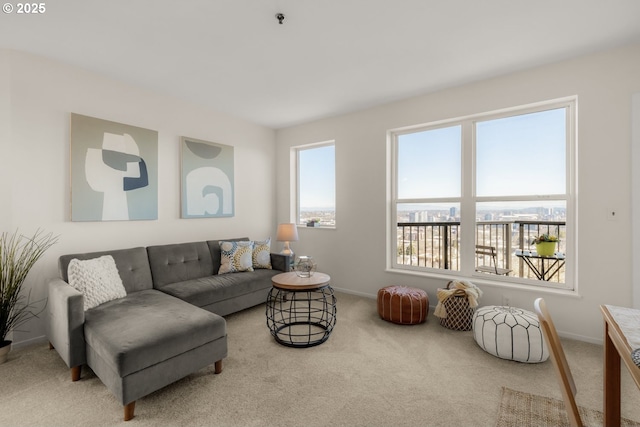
column 236, row 257
column 262, row 254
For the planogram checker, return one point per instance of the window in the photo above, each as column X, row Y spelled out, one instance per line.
column 316, row 184
column 429, row 192
column 468, row 196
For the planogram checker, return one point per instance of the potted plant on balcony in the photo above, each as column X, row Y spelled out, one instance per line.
column 18, row 253
column 545, row 244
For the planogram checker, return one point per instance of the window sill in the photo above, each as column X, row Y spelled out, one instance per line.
column 320, row 227
column 482, row 281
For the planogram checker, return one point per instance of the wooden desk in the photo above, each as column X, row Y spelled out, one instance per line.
column 616, row 348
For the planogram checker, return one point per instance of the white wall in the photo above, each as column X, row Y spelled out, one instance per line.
column 5, row 136
column 635, row 198
column 37, row 97
column 354, row 253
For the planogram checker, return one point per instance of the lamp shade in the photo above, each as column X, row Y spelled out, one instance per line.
column 287, row 233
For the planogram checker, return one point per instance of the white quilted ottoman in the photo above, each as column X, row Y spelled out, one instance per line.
column 509, row 333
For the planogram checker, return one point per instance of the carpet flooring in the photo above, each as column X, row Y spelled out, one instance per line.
column 368, row 373
column 524, row 409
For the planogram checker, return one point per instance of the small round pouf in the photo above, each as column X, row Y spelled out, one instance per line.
column 509, row 333
column 403, row 305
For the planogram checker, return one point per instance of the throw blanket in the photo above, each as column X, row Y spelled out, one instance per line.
column 471, row 291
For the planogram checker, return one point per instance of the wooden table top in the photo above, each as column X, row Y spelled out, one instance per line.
column 620, row 341
column 292, row 282
column 616, row 348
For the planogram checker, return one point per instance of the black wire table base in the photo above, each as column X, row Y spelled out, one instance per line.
column 301, row 318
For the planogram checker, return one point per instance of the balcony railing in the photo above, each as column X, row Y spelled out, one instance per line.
column 437, row 244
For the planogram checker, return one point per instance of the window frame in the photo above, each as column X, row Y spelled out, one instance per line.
column 469, row 200
column 296, row 188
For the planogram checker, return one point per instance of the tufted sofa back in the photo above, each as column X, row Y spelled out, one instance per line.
column 133, row 266
column 141, row 268
column 179, row 262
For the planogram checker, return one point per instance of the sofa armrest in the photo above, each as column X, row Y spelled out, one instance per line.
column 281, row 262
column 65, row 322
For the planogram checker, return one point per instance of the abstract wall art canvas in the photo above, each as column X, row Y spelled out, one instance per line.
column 207, row 179
column 114, row 171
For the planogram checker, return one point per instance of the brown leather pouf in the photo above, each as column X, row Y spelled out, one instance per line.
column 403, row 305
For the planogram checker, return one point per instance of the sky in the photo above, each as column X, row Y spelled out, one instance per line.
column 317, row 178
column 515, row 156
column 522, row 155
column 429, row 157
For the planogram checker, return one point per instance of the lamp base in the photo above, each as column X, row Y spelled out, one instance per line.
column 286, row 250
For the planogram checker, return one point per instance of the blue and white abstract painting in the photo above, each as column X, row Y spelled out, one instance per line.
column 114, row 171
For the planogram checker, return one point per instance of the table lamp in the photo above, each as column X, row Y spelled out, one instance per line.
column 287, row 233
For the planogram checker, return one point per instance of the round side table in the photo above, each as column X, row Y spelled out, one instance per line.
column 301, row 311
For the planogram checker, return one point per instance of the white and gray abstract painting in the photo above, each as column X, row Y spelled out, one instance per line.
column 207, row 179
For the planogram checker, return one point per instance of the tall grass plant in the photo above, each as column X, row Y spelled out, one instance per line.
column 18, row 254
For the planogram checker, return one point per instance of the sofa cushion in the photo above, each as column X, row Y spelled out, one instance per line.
column 208, row 290
column 262, row 253
column 133, row 266
column 236, row 257
column 216, row 254
column 179, row 262
column 97, row 280
column 146, row 328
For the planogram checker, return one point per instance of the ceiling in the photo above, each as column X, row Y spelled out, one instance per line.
column 329, row 57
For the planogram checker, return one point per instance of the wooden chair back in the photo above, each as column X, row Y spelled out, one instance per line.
column 563, row 373
column 490, row 251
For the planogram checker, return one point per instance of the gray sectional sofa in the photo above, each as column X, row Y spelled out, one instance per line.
column 169, row 324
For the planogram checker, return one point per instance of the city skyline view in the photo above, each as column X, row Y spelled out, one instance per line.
column 431, row 238
column 495, row 211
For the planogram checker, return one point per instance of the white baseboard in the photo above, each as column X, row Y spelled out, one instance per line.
column 360, row 294
column 27, row 343
column 432, row 308
column 581, row 338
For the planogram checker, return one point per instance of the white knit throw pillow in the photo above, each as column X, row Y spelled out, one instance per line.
column 97, row 279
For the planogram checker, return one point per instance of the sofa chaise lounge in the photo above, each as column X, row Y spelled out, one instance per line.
column 168, row 325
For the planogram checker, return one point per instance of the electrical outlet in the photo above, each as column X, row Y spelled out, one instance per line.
column 506, row 301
